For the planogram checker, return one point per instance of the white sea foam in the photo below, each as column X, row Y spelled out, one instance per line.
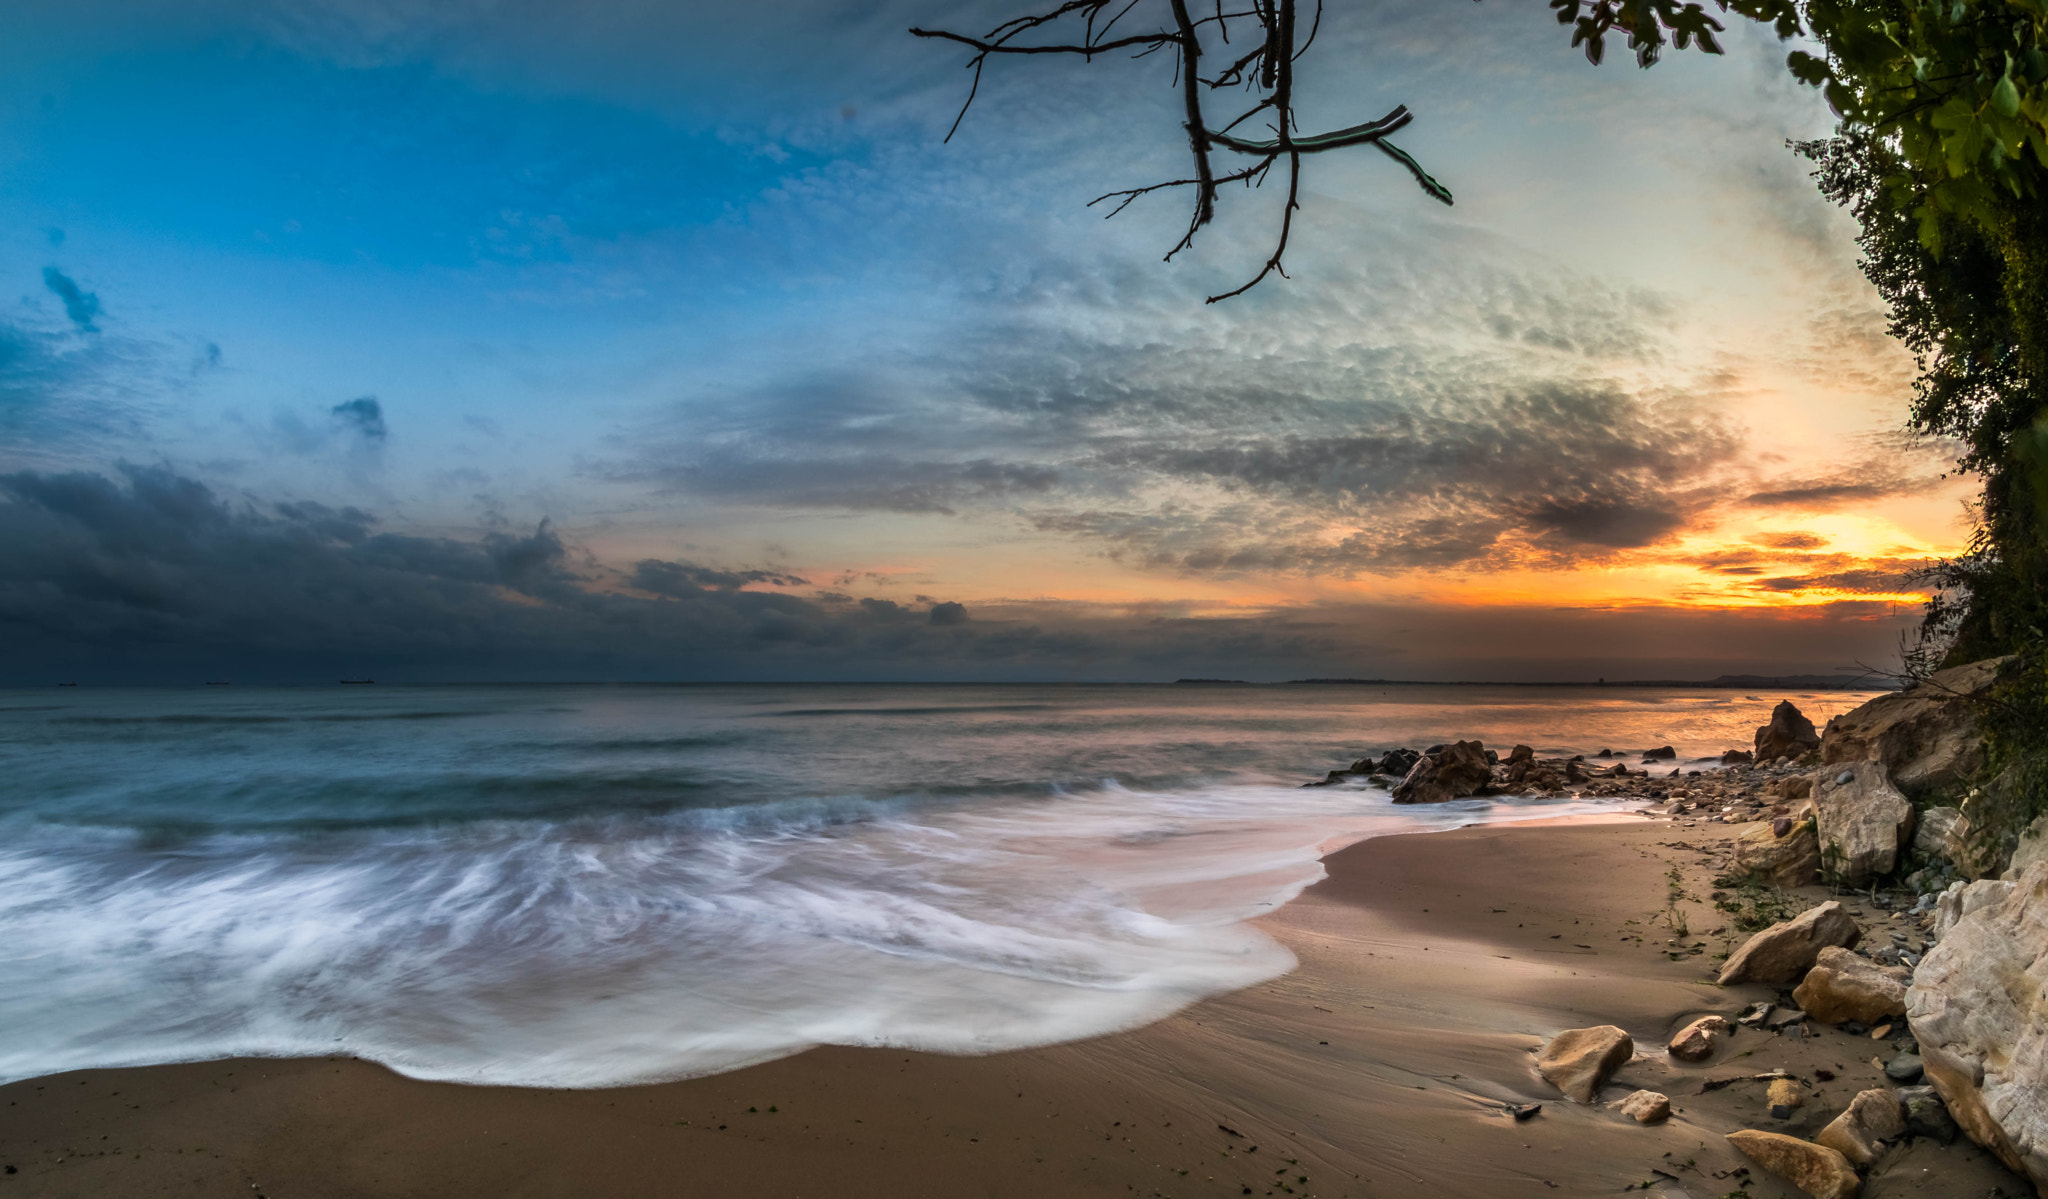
column 629, row 949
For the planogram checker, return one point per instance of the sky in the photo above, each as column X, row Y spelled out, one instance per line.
column 522, row 339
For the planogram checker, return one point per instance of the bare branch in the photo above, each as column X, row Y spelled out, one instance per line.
column 1273, row 53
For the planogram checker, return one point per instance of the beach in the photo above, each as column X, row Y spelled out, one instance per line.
column 1431, row 968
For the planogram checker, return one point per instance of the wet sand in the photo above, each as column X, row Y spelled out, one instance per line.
column 1431, row 969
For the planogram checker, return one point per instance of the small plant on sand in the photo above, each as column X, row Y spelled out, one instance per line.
column 1752, row 906
column 1675, row 894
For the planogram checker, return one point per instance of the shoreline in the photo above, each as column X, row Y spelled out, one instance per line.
column 1430, row 967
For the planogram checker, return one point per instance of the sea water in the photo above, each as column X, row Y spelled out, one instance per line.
column 581, row 886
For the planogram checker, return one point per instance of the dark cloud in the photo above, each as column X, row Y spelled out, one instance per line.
column 686, row 578
column 363, row 416
column 82, row 306
column 155, row 576
column 1788, row 541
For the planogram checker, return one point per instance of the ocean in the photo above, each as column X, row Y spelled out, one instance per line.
column 582, row 886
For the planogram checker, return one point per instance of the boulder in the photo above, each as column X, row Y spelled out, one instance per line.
column 1865, row 824
column 2032, row 848
column 1859, row 1133
column 1926, row 735
column 1784, row 1097
column 1578, row 1061
column 1788, row 949
column 1931, row 833
column 1961, row 899
column 1977, row 1009
column 1695, row 1042
column 1783, row 853
column 1789, row 734
column 1446, row 772
column 1521, row 753
column 1816, row 1169
column 1661, row 754
column 1737, row 756
column 1644, row 1107
column 1842, row 986
column 1792, row 786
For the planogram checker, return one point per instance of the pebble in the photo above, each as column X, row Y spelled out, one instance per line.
column 1905, row 1068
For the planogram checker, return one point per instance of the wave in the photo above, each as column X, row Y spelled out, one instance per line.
column 632, row 948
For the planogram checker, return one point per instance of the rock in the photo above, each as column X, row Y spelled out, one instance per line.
column 1906, row 1068
column 1926, row 1114
column 1792, row 786
column 1446, row 772
column 1644, row 1107
column 1842, row 986
column 1579, row 1060
column 1784, row 1097
column 1815, row 1169
column 1962, row 899
column 1788, row 949
column 1661, row 753
column 1926, row 735
column 1931, row 833
column 1695, row 1042
column 1788, row 735
column 1525, row 1111
column 1865, row 823
column 1783, row 853
column 1756, row 1013
column 2032, row 848
column 1859, row 1133
column 1733, row 756
column 1520, row 753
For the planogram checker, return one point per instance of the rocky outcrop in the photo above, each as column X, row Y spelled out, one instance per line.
column 1842, row 986
column 1926, row 735
column 1644, row 1107
column 1446, row 772
column 1979, row 1008
column 1816, row 1169
column 1695, row 1042
column 1787, row 950
column 1578, row 1061
column 1789, row 734
column 1865, row 823
column 1783, row 853
column 1859, row 1133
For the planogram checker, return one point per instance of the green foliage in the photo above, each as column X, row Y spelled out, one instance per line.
column 1958, row 87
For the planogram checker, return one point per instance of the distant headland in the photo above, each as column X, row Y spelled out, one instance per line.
column 1730, row 682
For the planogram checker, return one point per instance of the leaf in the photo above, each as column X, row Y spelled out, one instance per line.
column 2005, row 98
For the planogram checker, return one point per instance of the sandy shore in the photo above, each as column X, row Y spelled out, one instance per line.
column 1432, row 967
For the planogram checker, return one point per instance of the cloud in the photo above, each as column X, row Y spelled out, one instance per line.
column 685, row 578
column 80, row 305
column 363, row 416
column 151, row 575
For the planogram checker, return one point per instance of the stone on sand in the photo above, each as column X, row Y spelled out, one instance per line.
column 1644, row 1107
column 1859, row 1133
column 1816, row 1169
column 1843, row 986
column 1787, row 950
column 1926, row 1114
column 1695, row 1042
column 1578, row 1061
column 1784, row 1097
